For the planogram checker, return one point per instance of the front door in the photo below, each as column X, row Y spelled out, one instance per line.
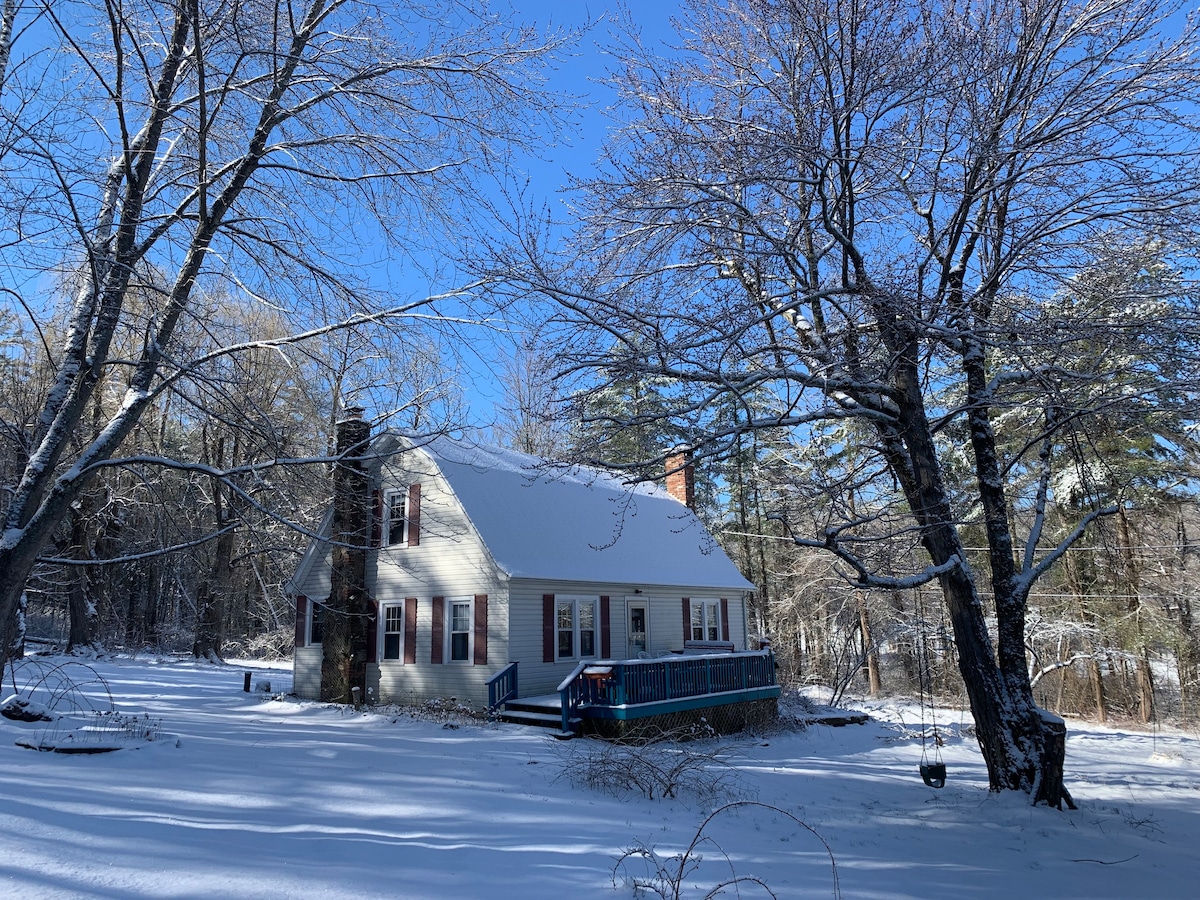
column 639, row 634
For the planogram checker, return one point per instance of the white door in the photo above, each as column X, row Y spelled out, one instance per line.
column 638, row 627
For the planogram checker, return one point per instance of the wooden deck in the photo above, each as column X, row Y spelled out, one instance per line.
column 606, row 695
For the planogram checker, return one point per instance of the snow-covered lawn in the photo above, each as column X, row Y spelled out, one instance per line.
column 246, row 796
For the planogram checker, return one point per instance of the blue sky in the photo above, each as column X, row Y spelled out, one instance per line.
column 580, row 74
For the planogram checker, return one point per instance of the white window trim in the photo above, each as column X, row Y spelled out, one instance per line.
column 383, row 632
column 706, row 603
column 389, row 499
column 448, row 635
column 575, row 602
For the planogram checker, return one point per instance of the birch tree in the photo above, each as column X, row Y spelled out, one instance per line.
column 270, row 150
column 863, row 208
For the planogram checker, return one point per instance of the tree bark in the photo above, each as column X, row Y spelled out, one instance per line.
column 211, row 600
column 874, row 683
column 1144, row 678
column 1007, row 722
column 80, row 603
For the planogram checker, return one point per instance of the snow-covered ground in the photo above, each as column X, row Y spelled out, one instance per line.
column 248, row 796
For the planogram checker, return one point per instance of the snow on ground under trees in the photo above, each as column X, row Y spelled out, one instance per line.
column 248, row 795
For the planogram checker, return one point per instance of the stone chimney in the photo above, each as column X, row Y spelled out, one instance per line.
column 344, row 644
column 353, row 431
column 681, row 476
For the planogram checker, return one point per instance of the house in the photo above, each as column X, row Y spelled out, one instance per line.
column 481, row 558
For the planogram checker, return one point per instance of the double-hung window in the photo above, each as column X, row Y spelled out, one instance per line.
column 460, row 630
column 393, row 631
column 316, row 622
column 395, row 523
column 575, row 627
column 706, row 620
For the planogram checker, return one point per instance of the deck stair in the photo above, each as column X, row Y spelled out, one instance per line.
column 543, row 712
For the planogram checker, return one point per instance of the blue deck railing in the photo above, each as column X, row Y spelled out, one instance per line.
column 638, row 681
column 502, row 686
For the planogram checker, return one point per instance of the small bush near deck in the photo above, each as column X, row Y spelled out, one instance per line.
column 679, row 764
column 446, row 710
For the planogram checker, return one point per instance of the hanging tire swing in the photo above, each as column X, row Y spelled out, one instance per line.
column 933, row 773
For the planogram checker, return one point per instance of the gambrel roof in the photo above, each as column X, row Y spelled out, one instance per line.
column 540, row 520
column 546, row 521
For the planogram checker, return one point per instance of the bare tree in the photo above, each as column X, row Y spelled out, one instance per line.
column 531, row 416
column 864, row 210
column 250, row 146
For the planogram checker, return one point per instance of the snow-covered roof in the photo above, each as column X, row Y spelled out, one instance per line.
column 547, row 521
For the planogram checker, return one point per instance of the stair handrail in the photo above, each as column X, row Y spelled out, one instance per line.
column 502, row 687
column 570, row 693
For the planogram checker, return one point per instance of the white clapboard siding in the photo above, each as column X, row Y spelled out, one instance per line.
column 450, row 562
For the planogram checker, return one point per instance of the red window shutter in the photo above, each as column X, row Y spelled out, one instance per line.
column 414, row 515
column 687, row 618
column 479, row 653
column 301, row 619
column 439, row 623
column 377, row 520
column 548, row 628
column 410, row 630
column 725, row 619
column 373, row 632
column 605, row 628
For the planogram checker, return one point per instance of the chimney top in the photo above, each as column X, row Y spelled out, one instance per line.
column 681, row 475
column 353, row 431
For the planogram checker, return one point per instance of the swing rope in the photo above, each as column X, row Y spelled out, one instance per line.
column 932, row 773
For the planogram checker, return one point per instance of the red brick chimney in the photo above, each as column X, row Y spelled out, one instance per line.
column 681, row 476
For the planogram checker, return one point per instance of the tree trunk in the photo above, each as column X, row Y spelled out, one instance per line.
column 1133, row 579
column 211, row 600
column 1145, row 687
column 874, row 684
column 1187, row 654
column 80, row 605
column 15, row 638
column 1088, row 618
column 213, row 594
column 1187, row 657
column 1008, row 724
column 1096, row 677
